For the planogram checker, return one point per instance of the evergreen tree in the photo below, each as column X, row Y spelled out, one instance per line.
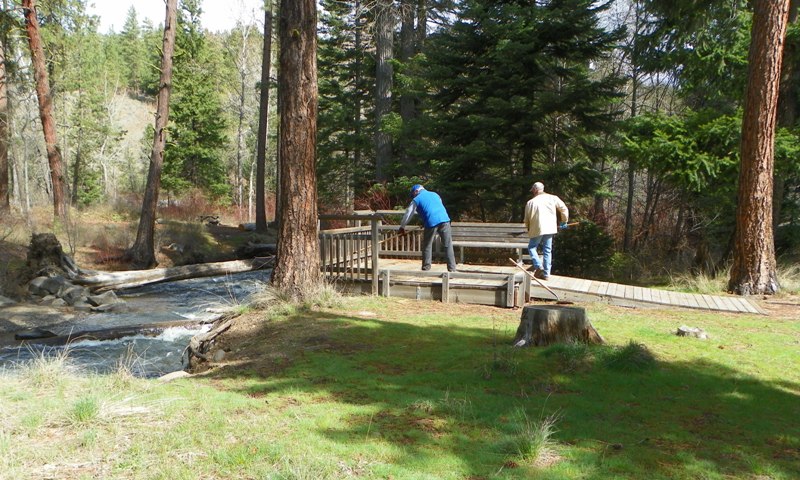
column 344, row 139
column 132, row 49
column 515, row 99
column 194, row 156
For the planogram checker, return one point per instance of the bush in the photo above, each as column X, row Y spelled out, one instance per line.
column 583, row 251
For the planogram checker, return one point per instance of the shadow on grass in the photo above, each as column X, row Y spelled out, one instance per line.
column 452, row 389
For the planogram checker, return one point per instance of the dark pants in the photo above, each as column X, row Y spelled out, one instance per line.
column 443, row 229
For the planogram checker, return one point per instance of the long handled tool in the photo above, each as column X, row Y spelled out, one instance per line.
column 522, row 267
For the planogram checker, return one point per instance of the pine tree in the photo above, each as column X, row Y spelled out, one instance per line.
column 132, row 49
column 194, row 157
column 346, row 78
column 515, row 98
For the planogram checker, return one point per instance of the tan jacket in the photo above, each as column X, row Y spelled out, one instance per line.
column 542, row 214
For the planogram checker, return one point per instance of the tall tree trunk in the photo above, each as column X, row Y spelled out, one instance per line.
column 408, row 36
column 297, row 269
column 5, row 204
column 263, row 122
column 754, row 267
column 787, row 109
column 357, row 105
column 143, row 250
column 384, row 44
column 45, row 109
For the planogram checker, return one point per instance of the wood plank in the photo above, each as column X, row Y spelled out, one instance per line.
column 510, row 291
column 647, row 295
column 739, row 303
column 717, row 302
column 585, row 285
column 637, row 294
column 603, row 289
column 669, row 296
column 749, row 306
column 725, row 304
column 707, row 302
column 656, row 296
column 684, row 299
column 691, row 300
column 628, row 292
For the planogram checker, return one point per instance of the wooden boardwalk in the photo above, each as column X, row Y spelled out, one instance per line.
column 508, row 286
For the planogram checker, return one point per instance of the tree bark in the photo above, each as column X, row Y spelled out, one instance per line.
column 754, row 266
column 45, row 109
column 787, row 109
column 5, row 203
column 143, row 250
column 384, row 44
column 263, row 122
column 545, row 325
column 297, row 268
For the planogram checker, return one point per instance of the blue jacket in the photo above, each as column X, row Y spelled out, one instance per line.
column 430, row 208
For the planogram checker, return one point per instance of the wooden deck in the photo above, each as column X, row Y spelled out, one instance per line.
column 510, row 287
column 369, row 257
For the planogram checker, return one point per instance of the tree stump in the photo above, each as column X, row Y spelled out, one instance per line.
column 547, row 324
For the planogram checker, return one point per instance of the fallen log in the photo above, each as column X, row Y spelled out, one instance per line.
column 549, row 324
column 114, row 333
column 101, row 281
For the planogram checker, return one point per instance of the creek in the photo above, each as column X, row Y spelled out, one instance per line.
column 159, row 319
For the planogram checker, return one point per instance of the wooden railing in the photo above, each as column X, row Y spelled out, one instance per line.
column 353, row 253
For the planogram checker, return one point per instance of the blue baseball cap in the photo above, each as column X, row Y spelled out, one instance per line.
column 416, row 188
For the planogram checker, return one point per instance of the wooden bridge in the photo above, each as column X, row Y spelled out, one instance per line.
column 369, row 257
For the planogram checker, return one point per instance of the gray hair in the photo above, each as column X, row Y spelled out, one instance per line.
column 537, row 187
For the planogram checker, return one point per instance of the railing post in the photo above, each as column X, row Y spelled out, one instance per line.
column 376, row 247
column 386, row 283
column 446, row 287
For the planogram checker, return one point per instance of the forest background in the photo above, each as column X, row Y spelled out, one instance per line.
column 631, row 111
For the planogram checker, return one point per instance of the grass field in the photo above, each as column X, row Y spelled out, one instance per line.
column 400, row 389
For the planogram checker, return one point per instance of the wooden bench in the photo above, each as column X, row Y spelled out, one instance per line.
column 490, row 235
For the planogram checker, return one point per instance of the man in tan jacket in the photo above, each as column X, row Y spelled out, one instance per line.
column 542, row 222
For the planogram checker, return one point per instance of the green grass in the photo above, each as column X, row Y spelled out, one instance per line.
column 379, row 388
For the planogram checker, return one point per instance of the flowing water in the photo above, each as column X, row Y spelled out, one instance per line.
column 194, row 302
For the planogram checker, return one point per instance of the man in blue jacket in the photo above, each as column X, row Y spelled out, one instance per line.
column 434, row 217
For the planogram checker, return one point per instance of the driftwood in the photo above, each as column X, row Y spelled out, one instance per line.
column 545, row 325
column 250, row 250
column 200, row 345
column 100, row 281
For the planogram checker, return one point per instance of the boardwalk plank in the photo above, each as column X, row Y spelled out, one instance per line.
column 628, row 292
column 692, row 300
column 740, row 304
column 725, row 304
column 749, row 306
column 637, row 294
column 718, row 303
column 647, row 295
column 707, row 302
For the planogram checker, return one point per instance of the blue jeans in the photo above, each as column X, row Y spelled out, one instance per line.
column 547, row 252
column 443, row 229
